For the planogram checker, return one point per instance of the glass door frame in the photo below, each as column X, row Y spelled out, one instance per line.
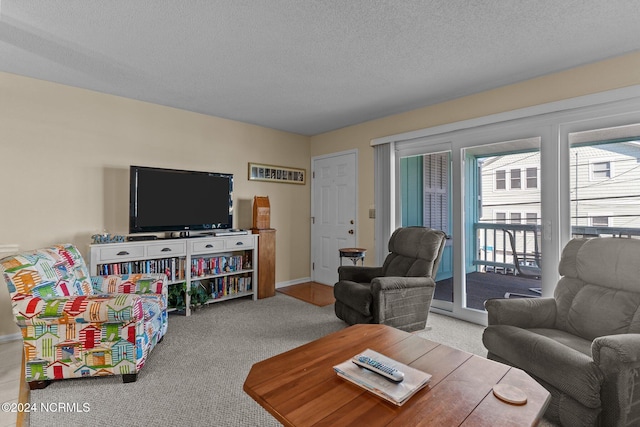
column 462, row 226
column 487, row 136
column 552, row 123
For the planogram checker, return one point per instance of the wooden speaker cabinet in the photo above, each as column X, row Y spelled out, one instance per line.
column 266, row 262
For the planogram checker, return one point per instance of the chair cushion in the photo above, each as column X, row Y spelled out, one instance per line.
column 610, row 262
column 552, row 355
column 354, row 295
column 599, row 293
column 413, row 252
column 597, row 311
column 401, row 266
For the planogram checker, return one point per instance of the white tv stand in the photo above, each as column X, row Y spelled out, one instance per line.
column 230, row 233
column 226, row 266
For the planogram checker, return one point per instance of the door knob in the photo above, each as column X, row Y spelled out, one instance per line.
column 350, row 231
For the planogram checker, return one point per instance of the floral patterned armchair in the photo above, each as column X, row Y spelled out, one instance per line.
column 74, row 325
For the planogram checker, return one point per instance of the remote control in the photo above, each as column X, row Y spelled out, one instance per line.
column 379, row 368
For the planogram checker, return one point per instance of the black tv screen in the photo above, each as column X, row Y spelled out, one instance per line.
column 179, row 200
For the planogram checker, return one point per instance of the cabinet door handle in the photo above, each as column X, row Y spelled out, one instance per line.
column 166, row 250
column 209, row 245
column 123, row 253
column 239, row 243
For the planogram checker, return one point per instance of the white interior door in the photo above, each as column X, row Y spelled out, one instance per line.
column 334, row 208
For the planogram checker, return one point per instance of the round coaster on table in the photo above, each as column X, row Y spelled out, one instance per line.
column 510, row 394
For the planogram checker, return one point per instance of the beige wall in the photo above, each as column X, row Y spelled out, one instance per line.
column 606, row 75
column 65, row 166
column 66, row 151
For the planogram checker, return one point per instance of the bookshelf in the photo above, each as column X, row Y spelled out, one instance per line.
column 214, row 268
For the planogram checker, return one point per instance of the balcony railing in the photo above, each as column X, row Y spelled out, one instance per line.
column 497, row 252
column 582, row 231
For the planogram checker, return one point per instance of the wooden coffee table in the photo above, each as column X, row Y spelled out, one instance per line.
column 300, row 387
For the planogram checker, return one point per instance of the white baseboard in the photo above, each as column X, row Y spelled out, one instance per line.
column 11, row 337
column 293, row 282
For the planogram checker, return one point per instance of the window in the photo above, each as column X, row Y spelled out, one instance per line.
column 515, row 218
column 501, row 218
column 600, row 170
column 532, row 177
column 532, row 218
column 515, row 178
column 501, row 180
column 599, row 221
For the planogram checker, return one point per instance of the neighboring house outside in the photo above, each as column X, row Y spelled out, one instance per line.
column 605, row 193
column 510, row 189
column 607, row 186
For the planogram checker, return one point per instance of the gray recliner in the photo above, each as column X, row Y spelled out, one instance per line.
column 398, row 293
column 583, row 345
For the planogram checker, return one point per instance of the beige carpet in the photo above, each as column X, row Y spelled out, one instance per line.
column 454, row 333
column 195, row 376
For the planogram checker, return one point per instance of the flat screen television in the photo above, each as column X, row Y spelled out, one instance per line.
column 179, row 200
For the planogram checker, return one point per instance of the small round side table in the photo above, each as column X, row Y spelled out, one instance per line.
column 354, row 254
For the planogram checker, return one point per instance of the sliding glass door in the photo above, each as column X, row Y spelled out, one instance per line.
column 425, row 189
column 502, row 217
column 511, row 192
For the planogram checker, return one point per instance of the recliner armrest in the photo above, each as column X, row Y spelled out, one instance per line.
column 522, row 312
column 616, row 349
column 618, row 358
column 380, row 284
column 358, row 274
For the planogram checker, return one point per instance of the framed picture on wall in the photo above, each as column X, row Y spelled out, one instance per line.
column 272, row 173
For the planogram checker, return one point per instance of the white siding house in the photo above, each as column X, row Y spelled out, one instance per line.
column 605, row 186
column 605, row 198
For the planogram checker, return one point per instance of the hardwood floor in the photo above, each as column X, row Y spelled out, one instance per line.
column 480, row 287
column 311, row 292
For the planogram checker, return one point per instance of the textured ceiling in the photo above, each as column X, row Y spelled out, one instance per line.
column 307, row 66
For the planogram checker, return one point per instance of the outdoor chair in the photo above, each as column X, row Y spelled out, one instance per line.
column 526, row 265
